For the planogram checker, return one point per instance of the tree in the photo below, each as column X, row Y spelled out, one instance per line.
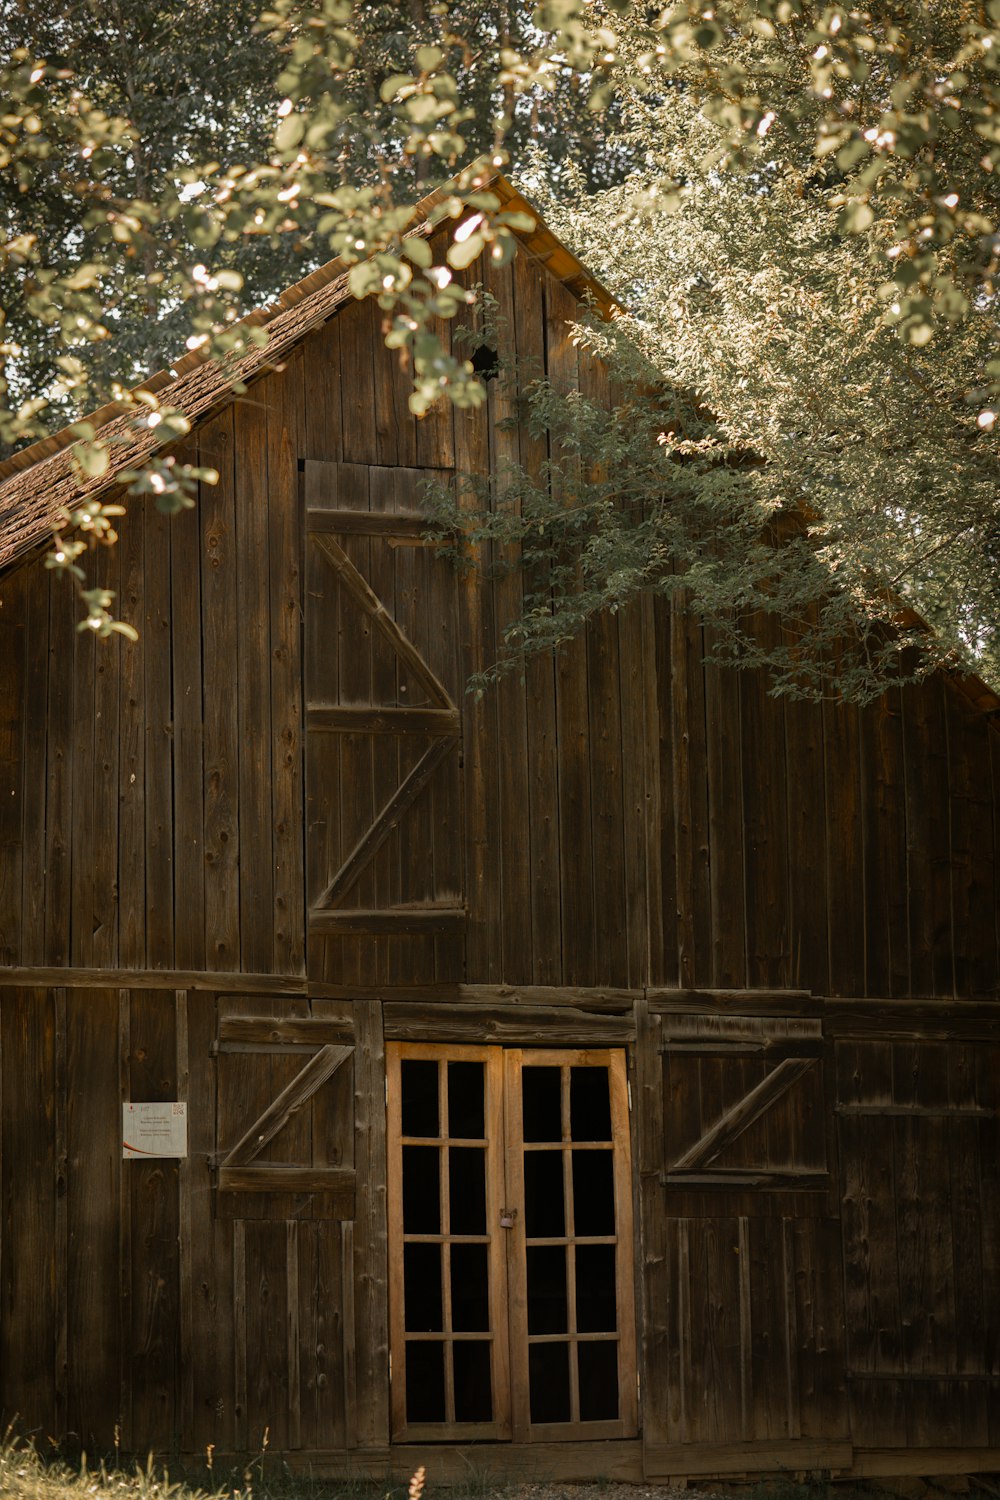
column 837, row 163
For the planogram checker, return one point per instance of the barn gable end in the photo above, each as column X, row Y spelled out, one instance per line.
column 727, row 961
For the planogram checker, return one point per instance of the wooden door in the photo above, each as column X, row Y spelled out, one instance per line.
column 510, row 1233
column 383, row 683
column 744, row 1313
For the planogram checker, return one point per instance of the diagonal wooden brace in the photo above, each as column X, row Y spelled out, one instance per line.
column 291, row 1099
column 371, row 841
column 743, row 1113
column 364, row 595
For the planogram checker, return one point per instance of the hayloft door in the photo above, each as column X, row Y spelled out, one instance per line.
column 510, row 1232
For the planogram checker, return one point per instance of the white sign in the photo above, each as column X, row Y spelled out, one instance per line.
column 154, row 1129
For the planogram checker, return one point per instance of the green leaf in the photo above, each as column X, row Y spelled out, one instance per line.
column 418, row 251
column 856, row 217
column 428, row 58
column 289, row 132
column 463, row 254
column 363, row 278
column 522, row 223
column 92, row 459
column 394, row 85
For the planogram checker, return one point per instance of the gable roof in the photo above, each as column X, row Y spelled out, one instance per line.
column 39, row 481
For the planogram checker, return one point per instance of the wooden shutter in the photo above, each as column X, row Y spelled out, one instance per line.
column 285, row 1126
column 744, row 1104
column 742, row 1243
column 383, row 724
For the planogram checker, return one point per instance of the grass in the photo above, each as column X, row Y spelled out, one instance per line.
column 27, row 1474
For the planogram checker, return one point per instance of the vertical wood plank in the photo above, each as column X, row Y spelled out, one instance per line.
column 637, row 790
column 132, row 743
column 321, row 1283
column 124, row 1306
column 887, row 919
column 845, row 881
column 159, row 775
column 61, row 1247
column 572, row 706
column 323, row 434
column 973, row 854
column 371, row 1332
column 189, row 809
column 151, row 1361
column 59, row 771
column 240, row 1420
column 764, row 802
column 287, row 810
column 819, row 1320
column 35, row 769
column 267, row 1335
column 185, row 1231
column 724, row 771
column 660, row 960
column 868, row 1220
column 27, row 1172
column 81, row 828
column 293, row 1331
column 658, row 1322
column 928, row 839
column 404, row 867
column 395, row 425
column 389, row 759
column 104, row 852
column 808, row 901
column 93, row 1139
column 348, row 1347
column 220, row 634
column 607, row 753
column 479, row 720
column 690, row 799
column 356, row 324
column 211, row 1268
column 511, row 747
column 253, row 651
column 13, row 592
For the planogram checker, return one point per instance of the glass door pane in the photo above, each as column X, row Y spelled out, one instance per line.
column 570, row 1259
column 449, row 1371
column 510, row 1244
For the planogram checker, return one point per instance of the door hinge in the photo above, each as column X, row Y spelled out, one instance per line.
column 628, row 1089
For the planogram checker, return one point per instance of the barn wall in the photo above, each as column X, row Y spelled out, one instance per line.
column 611, row 836
column 824, row 1284
column 846, row 850
column 625, row 815
column 139, row 1298
column 154, row 814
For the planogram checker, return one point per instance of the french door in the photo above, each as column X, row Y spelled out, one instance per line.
column 511, row 1302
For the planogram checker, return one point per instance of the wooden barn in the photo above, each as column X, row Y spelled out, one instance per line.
column 600, row 1078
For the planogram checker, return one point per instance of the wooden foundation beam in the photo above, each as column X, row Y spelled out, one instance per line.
column 791, row 1455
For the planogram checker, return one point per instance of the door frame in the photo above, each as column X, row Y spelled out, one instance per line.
column 507, row 1255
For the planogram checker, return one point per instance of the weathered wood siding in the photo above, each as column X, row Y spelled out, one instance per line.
column 138, row 1296
column 153, row 795
column 623, row 815
column 279, row 824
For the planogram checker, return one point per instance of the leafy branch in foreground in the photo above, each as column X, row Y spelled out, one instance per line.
column 648, row 495
column 141, row 195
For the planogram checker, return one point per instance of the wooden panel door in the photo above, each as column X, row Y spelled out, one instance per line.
column 743, row 1269
column 510, row 1231
column 382, row 718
